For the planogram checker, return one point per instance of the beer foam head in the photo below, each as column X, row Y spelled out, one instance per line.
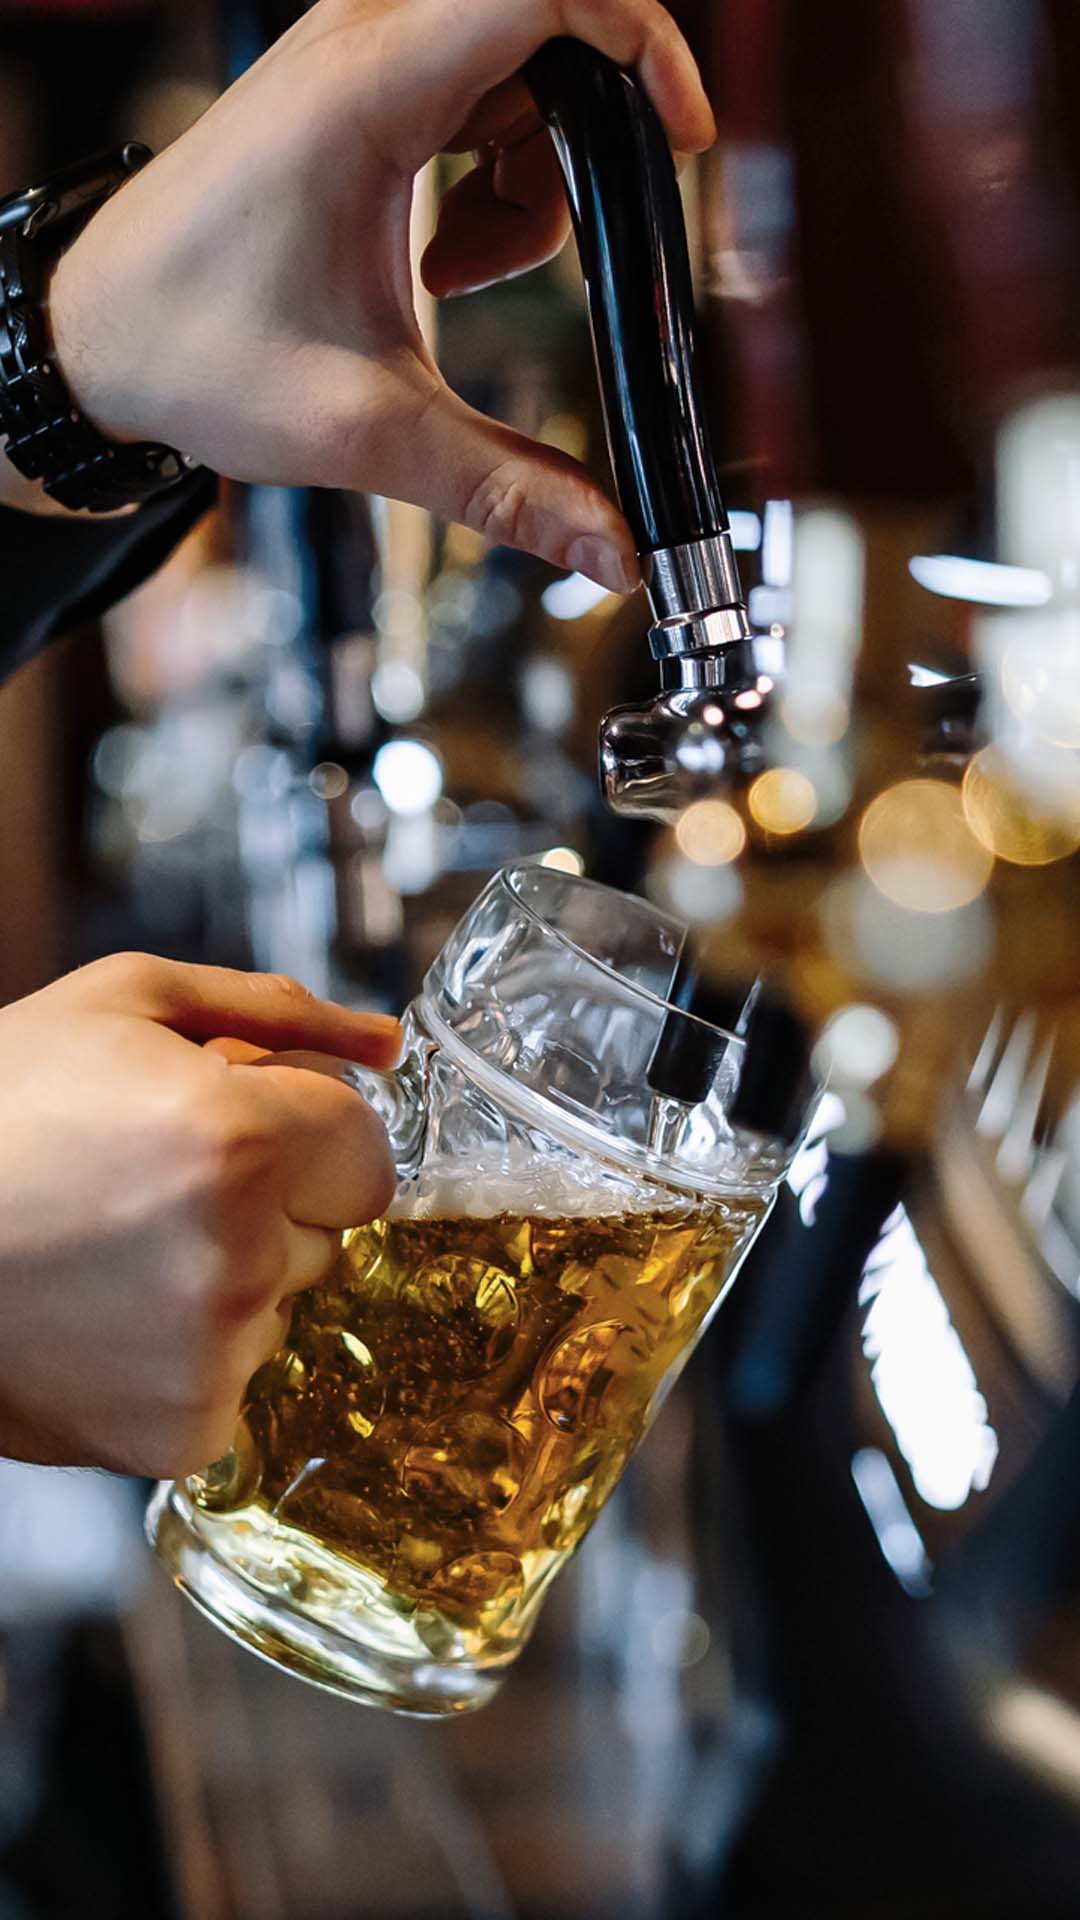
column 534, row 1185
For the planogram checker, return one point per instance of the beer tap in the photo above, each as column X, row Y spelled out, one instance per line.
column 693, row 737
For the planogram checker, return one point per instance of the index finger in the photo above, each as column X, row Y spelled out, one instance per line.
column 459, row 54
column 507, row 112
column 268, row 1010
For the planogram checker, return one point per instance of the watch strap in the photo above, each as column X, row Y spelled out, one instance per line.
column 48, row 438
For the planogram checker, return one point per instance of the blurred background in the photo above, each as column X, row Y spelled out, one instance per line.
column 822, row 1653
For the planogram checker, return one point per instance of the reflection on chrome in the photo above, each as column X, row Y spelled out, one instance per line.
column 921, row 1372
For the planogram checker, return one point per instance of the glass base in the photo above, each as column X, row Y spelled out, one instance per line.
column 342, row 1642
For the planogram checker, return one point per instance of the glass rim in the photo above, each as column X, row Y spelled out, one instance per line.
column 507, row 876
column 599, row 960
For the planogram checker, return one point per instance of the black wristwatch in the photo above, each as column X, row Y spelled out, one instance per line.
column 48, row 438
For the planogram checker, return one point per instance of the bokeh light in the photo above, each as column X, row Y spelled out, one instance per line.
column 680, row 1638
column 857, row 1046
column 985, row 582
column 1040, row 676
column 1007, row 823
column 409, row 776
column 918, row 850
column 398, row 691
column 328, row 780
column 828, row 588
column 700, row 895
column 397, row 613
column 563, row 859
column 860, row 1124
column 547, row 693
column 904, row 951
column 710, row 833
column 783, row 800
column 816, row 716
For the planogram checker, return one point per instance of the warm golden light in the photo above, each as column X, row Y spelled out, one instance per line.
column 783, row 800
column 563, row 859
column 1007, row 823
column 710, row 833
column 918, row 850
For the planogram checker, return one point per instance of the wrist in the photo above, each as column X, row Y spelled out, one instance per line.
column 61, row 338
column 29, row 496
column 85, row 335
column 16, row 490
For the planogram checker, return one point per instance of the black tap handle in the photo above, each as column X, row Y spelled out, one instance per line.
column 624, row 199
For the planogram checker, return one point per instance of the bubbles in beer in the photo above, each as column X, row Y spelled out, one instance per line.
column 319, row 1504
column 566, row 1519
column 471, row 1307
column 465, row 1465
column 576, row 1378
column 478, row 1583
column 456, row 1403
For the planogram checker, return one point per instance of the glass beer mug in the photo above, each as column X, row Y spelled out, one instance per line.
column 458, row 1399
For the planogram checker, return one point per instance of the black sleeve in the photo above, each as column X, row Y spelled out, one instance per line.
column 56, row 573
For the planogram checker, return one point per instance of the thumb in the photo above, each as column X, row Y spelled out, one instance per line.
column 267, row 1009
column 516, row 492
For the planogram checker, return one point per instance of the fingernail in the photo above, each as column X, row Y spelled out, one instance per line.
column 599, row 560
column 380, row 1022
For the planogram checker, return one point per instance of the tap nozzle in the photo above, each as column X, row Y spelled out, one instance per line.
column 702, row 731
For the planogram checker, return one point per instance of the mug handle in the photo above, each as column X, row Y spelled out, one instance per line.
column 399, row 1097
